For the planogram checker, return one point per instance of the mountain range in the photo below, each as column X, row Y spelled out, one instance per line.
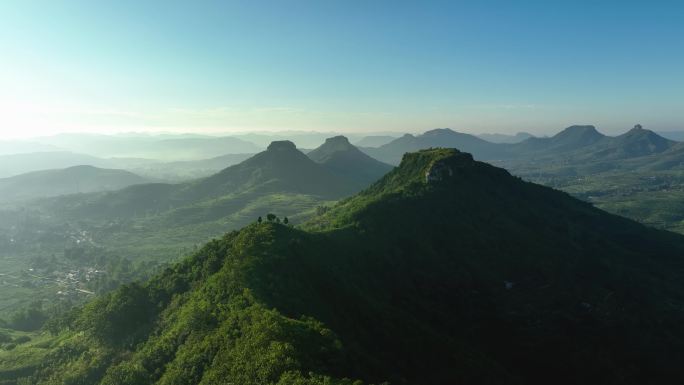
column 575, row 144
column 393, row 151
column 445, row 271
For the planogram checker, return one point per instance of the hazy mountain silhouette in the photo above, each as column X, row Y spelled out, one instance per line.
column 343, row 159
column 76, row 179
column 503, row 138
column 442, row 137
column 16, row 164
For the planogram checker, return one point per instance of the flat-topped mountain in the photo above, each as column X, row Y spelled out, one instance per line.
column 445, row 271
column 345, row 160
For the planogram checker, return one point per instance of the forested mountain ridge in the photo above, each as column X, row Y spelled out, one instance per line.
column 447, row 270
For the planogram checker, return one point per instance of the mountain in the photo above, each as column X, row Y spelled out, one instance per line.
column 374, row 140
column 571, row 138
column 72, row 180
column 281, row 168
column 393, row 151
column 503, row 138
column 343, row 159
column 637, row 142
column 581, row 150
column 16, row 164
column 446, row 271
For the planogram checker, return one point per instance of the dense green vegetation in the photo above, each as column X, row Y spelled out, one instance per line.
column 445, row 271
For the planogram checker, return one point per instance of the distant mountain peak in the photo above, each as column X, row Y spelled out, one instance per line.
column 338, row 143
column 337, row 139
column 639, row 131
column 345, row 160
column 331, row 146
column 579, row 129
column 576, row 136
column 439, row 131
column 280, row 145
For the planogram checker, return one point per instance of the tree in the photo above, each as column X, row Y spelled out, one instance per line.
column 259, row 220
column 270, row 217
column 30, row 318
column 286, row 221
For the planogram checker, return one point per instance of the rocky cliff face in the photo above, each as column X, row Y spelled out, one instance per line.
column 444, row 168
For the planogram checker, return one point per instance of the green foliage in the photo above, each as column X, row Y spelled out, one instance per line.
column 30, row 318
column 120, row 317
column 445, row 271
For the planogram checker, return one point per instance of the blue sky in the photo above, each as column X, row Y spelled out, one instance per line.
column 226, row 66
